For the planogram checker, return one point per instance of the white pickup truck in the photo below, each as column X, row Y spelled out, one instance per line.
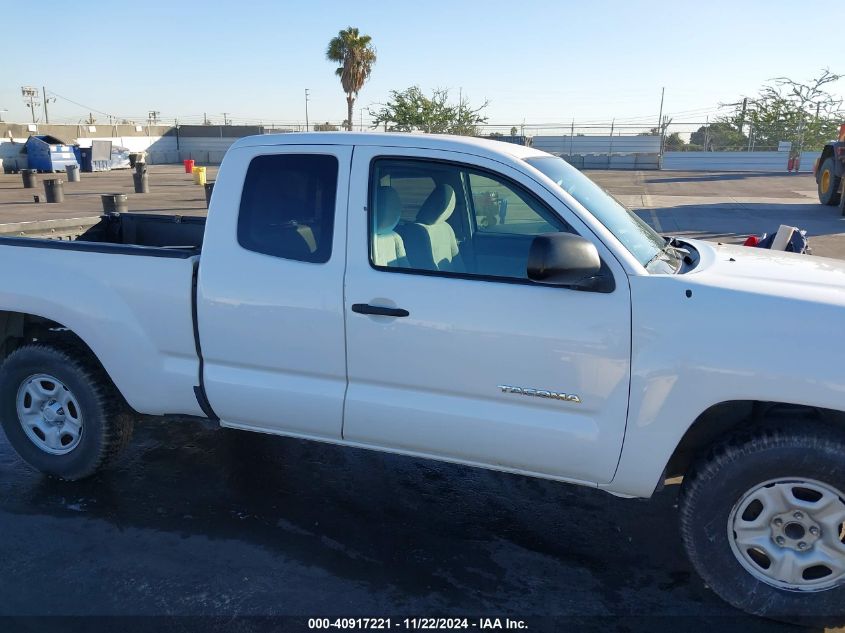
column 464, row 300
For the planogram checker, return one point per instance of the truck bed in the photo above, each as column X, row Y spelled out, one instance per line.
column 124, row 283
column 125, row 233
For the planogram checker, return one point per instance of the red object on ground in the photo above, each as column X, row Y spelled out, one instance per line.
column 789, row 164
column 189, row 166
column 752, row 240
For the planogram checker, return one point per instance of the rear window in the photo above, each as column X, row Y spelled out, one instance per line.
column 288, row 206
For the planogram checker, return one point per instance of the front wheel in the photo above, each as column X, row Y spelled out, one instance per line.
column 829, row 183
column 60, row 411
column 763, row 522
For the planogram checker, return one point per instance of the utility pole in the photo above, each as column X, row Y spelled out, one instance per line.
column 307, row 126
column 610, row 149
column 225, row 118
column 742, row 114
column 205, row 118
column 30, row 96
column 660, row 116
column 45, row 99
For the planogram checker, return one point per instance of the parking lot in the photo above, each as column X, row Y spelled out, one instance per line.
column 196, row 521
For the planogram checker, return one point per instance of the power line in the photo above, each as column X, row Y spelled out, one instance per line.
column 76, row 103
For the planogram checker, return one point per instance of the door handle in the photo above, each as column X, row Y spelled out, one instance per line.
column 366, row 308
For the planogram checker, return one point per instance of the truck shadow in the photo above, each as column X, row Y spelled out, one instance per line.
column 323, row 530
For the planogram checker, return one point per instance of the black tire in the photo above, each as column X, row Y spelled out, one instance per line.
column 829, row 196
column 107, row 422
column 718, row 482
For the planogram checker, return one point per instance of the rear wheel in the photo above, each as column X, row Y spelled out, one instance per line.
column 763, row 522
column 60, row 411
column 829, row 183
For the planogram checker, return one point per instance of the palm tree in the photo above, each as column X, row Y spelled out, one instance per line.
column 356, row 57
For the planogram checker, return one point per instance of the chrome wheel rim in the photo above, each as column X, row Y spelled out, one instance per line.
column 49, row 414
column 790, row 534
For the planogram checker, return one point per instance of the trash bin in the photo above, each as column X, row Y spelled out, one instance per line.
column 115, row 203
column 209, row 188
column 133, row 158
column 189, row 165
column 142, row 184
column 73, row 173
column 30, row 179
column 53, row 190
column 140, row 168
column 199, row 176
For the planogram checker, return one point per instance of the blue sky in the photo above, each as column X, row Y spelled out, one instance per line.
column 535, row 61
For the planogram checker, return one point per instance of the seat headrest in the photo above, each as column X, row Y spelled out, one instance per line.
column 388, row 210
column 438, row 207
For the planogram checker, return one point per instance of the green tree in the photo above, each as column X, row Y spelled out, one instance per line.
column 410, row 110
column 673, row 142
column 719, row 136
column 514, row 131
column 805, row 113
column 356, row 56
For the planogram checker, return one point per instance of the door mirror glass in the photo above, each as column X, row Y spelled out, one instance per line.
column 564, row 259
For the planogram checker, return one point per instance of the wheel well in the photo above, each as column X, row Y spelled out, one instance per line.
column 17, row 328
column 726, row 418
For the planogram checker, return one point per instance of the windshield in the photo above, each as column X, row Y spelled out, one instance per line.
column 639, row 238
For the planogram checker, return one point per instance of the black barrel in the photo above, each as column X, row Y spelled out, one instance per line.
column 209, row 188
column 30, row 179
column 115, row 203
column 53, row 190
column 140, row 168
column 133, row 158
column 142, row 184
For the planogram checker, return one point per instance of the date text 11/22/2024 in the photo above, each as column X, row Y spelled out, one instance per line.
column 430, row 624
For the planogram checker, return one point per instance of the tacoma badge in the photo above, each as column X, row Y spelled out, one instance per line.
column 542, row 393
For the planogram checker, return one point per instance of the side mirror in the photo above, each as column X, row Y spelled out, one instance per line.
column 564, row 259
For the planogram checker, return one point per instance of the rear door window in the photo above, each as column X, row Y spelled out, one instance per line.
column 288, row 206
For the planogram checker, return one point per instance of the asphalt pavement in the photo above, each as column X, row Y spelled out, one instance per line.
column 195, row 522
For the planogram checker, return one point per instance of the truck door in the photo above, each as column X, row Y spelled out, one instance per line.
column 270, row 292
column 452, row 351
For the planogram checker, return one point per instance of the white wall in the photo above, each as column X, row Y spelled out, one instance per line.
column 735, row 161
column 160, row 149
column 597, row 144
